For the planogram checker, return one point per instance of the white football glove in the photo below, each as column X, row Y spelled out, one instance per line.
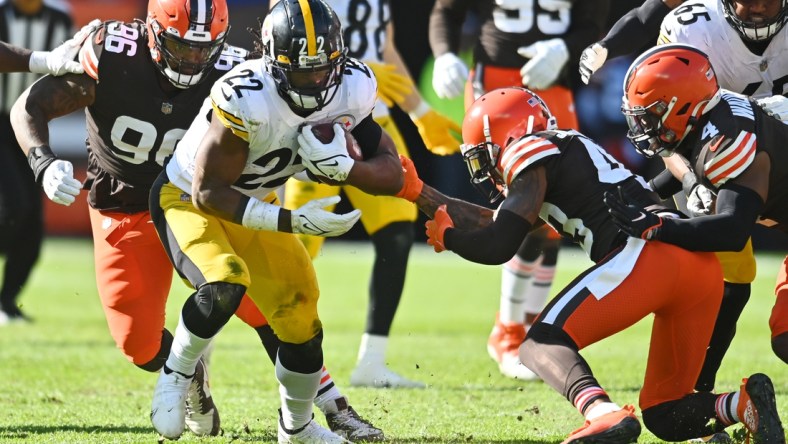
column 700, row 201
column 449, row 76
column 775, row 106
column 60, row 60
column 329, row 160
column 312, row 219
column 59, row 183
column 592, row 58
column 547, row 59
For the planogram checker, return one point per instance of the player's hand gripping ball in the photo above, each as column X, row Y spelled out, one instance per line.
column 326, row 157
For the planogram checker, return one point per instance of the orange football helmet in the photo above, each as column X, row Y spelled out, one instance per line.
column 185, row 37
column 492, row 122
column 666, row 90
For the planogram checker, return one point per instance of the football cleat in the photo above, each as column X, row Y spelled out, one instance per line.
column 168, row 410
column 757, row 410
column 719, row 438
column 202, row 416
column 379, row 376
column 311, row 433
column 503, row 346
column 619, row 427
column 348, row 424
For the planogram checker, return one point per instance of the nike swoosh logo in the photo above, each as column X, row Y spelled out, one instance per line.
column 641, row 217
column 716, row 145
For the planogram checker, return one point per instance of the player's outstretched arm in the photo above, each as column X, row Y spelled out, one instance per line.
column 636, row 29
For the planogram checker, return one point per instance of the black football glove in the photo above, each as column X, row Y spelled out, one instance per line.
column 632, row 219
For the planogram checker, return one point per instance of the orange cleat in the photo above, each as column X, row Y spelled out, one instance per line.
column 503, row 345
column 620, row 427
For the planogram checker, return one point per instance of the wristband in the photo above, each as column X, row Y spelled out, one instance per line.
column 39, row 158
column 38, row 62
column 421, row 109
column 261, row 215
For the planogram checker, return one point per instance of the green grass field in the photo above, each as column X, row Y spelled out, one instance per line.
column 63, row 381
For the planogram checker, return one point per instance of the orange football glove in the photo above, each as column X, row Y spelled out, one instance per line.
column 436, row 228
column 412, row 185
column 438, row 131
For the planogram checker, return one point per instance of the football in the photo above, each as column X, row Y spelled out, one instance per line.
column 324, row 132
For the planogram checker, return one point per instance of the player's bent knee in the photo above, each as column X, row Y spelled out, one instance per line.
column 306, row 357
column 211, row 306
column 780, row 346
column 659, row 421
column 297, row 332
column 155, row 364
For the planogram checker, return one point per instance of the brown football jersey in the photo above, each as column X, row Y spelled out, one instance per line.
column 133, row 125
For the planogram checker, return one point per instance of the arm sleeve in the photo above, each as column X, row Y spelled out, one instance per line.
column 368, row 134
column 492, row 245
column 446, row 22
column 588, row 21
column 738, row 208
column 636, row 29
column 665, row 184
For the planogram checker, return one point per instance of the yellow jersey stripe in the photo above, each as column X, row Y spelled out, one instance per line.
column 231, row 122
column 309, row 26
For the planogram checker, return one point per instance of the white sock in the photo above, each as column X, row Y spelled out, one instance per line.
column 297, row 392
column 735, row 403
column 538, row 289
column 327, row 392
column 186, row 350
column 372, row 350
column 516, row 276
column 603, row 408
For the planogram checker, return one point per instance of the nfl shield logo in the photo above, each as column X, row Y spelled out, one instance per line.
column 166, row 107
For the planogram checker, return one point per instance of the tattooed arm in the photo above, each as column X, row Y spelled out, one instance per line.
column 477, row 237
column 466, row 216
column 45, row 100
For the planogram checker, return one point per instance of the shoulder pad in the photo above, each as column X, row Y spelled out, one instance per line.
column 362, row 86
column 525, row 152
column 127, row 39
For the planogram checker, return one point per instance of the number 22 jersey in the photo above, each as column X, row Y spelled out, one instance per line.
column 247, row 102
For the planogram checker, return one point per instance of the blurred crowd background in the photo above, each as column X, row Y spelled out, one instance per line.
column 597, row 105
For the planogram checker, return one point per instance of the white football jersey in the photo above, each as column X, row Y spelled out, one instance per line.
column 702, row 24
column 364, row 31
column 246, row 101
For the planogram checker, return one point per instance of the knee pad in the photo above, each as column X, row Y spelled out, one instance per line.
column 155, row 364
column 303, row 358
column 211, row 306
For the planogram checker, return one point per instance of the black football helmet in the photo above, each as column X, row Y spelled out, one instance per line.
column 756, row 31
column 304, row 52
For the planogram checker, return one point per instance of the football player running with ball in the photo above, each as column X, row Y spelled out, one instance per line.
column 218, row 215
column 510, row 142
column 168, row 63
